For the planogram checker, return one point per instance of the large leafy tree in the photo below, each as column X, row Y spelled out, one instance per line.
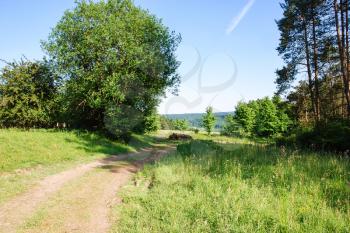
column 117, row 60
column 28, row 93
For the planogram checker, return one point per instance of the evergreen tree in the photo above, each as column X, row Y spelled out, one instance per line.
column 304, row 31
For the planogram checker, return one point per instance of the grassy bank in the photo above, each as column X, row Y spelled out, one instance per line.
column 27, row 156
column 245, row 188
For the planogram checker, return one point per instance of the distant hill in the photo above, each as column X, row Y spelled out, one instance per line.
column 195, row 119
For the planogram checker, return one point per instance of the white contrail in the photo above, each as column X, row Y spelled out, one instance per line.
column 236, row 20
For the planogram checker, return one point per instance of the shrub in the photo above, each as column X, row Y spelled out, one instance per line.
column 331, row 136
column 27, row 95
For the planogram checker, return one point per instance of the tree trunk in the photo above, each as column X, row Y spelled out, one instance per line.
column 343, row 63
column 316, row 71
column 309, row 71
column 346, row 8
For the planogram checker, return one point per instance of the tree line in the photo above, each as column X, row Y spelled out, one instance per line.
column 314, row 44
column 257, row 118
column 107, row 65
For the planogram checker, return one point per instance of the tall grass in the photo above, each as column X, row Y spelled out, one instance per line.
column 249, row 188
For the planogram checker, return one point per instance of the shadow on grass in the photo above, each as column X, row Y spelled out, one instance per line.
column 97, row 143
column 133, row 162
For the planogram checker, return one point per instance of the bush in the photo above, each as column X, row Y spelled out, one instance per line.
column 330, row 136
column 28, row 95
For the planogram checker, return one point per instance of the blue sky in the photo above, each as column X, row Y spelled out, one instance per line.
column 220, row 66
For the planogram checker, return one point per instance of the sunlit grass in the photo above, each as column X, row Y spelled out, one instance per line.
column 204, row 136
column 28, row 156
column 246, row 188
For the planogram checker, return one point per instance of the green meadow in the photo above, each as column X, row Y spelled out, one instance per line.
column 208, row 186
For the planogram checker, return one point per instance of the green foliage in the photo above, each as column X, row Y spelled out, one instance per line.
column 152, row 122
column 180, row 125
column 245, row 115
column 174, row 124
column 313, row 44
column 208, row 121
column 121, row 121
column 117, row 60
column 166, row 123
column 244, row 188
column 28, row 92
column 262, row 117
column 267, row 121
column 231, row 126
column 330, row 136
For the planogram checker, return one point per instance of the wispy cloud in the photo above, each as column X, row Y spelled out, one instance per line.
column 237, row 19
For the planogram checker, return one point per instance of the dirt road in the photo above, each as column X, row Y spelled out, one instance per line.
column 77, row 200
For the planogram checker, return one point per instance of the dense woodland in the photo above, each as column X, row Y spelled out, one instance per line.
column 314, row 44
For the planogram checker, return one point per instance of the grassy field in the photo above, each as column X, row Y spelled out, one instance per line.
column 211, row 184
column 213, row 187
column 28, row 156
